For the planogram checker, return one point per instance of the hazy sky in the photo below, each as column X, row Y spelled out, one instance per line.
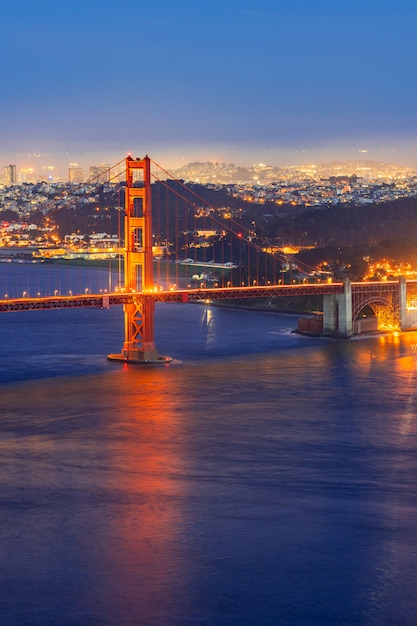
column 278, row 81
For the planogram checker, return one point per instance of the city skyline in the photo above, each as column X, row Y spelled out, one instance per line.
column 41, row 167
column 281, row 83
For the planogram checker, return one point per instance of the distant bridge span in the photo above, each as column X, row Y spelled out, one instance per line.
column 179, row 295
column 342, row 302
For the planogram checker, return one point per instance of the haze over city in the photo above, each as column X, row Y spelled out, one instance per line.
column 281, row 83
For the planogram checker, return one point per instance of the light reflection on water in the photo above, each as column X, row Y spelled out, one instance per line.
column 266, row 479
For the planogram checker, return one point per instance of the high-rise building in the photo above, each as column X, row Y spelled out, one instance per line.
column 75, row 173
column 9, row 174
column 99, row 173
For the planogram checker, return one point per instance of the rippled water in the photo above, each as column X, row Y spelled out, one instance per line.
column 262, row 479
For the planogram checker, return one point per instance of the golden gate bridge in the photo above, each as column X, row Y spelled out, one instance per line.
column 391, row 301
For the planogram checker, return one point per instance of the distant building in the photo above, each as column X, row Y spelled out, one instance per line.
column 9, row 174
column 99, row 173
column 75, row 173
column 26, row 175
column 48, row 172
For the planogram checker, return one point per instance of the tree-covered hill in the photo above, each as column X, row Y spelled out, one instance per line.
column 347, row 225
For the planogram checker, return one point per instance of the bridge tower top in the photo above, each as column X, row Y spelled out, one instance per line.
column 138, row 225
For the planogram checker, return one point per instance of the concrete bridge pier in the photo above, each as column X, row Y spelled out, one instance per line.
column 337, row 313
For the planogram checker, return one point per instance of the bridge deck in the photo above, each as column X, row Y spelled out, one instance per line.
column 178, row 295
column 190, row 295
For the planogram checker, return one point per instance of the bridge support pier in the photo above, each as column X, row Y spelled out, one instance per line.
column 139, row 346
column 337, row 313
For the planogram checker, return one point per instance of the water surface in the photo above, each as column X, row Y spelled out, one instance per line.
column 264, row 478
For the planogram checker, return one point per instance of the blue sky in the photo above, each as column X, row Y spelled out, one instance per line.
column 237, row 81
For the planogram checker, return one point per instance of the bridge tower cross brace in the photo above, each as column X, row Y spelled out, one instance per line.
column 139, row 343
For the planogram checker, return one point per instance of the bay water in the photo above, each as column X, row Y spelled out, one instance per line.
column 262, row 478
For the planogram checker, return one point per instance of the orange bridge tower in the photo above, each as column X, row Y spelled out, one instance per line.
column 139, row 343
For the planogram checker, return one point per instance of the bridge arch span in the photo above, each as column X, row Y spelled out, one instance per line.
column 387, row 300
column 375, row 303
column 383, row 298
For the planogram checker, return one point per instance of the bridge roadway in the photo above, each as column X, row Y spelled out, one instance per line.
column 104, row 300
